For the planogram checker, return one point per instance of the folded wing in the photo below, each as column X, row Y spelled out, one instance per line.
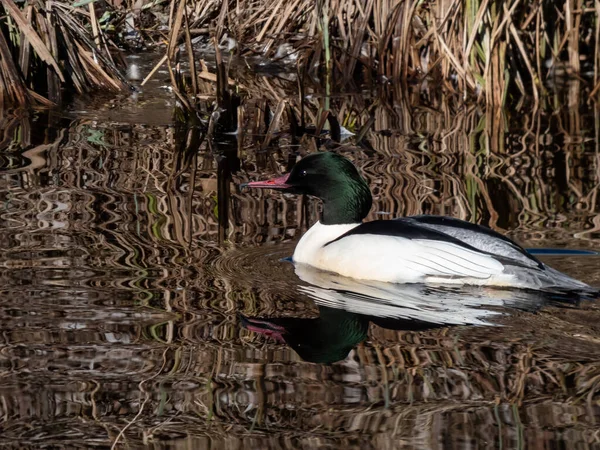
column 401, row 251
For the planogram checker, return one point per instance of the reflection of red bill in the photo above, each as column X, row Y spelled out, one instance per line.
column 277, row 335
column 264, row 327
column 273, row 183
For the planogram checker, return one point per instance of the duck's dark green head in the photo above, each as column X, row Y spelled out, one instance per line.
column 333, row 179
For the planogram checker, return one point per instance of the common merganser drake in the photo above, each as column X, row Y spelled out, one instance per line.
column 417, row 249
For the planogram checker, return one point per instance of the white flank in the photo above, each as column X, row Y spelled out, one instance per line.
column 396, row 259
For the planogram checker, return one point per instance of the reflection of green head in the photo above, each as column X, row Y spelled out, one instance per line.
column 329, row 338
column 326, row 339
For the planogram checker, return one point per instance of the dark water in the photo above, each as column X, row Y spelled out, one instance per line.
column 133, row 278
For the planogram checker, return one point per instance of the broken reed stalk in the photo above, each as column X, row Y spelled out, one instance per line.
column 54, row 50
column 478, row 49
column 12, row 87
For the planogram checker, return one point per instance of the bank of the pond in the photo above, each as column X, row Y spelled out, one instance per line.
column 482, row 51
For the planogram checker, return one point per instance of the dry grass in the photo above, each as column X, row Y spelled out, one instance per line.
column 49, row 47
column 474, row 49
column 478, row 50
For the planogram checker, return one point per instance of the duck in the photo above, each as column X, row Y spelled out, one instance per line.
column 416, row 249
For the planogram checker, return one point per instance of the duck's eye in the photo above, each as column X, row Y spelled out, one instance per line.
column 303, row 173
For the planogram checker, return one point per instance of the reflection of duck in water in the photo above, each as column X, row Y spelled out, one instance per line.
column 325, row 339
column 423, row 303
column 346, row 307
column 418, row 249
column 329, row 337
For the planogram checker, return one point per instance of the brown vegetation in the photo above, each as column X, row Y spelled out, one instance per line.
column 484, row 50
column 48, row 47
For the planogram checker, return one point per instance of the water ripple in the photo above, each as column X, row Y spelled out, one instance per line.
column 122, row 292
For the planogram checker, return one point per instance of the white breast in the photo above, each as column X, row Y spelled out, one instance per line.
column 310, row 246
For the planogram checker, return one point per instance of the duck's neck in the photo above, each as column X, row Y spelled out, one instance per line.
column 348, row 204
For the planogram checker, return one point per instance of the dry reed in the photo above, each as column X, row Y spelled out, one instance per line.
column 480, row 50
column 475, row 49
column 47, row 48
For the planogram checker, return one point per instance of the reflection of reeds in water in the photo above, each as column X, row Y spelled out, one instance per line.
column 473, row 165
column 416, row 385
column 113, row 234
column 491, row 167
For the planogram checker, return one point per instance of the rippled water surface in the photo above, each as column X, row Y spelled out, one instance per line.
column 136, row 281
